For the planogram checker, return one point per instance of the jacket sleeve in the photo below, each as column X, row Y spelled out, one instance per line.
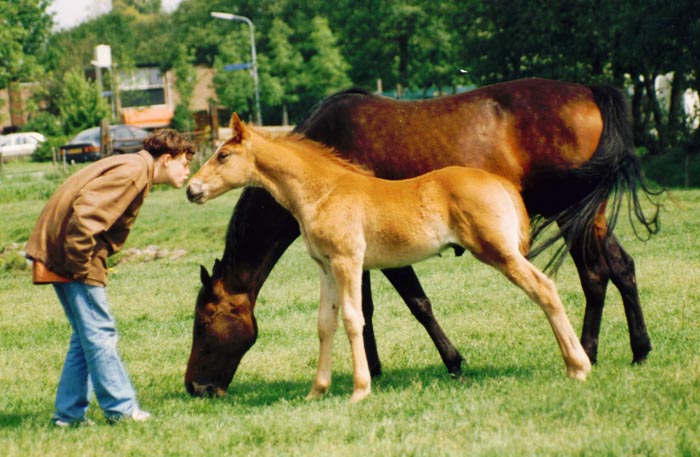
column 99, row 204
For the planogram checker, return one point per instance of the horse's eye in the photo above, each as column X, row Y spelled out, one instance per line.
column 222, row 156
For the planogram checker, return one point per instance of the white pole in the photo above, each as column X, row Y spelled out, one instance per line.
column 235, row 17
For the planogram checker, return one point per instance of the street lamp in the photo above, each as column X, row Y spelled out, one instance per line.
column 235, row 17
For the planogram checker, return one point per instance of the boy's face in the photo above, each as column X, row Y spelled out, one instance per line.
column 177, row 169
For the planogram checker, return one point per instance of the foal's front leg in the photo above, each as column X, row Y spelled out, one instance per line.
column 327, row 325
column 348, row 277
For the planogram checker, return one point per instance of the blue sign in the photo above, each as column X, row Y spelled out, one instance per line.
column 238, row 66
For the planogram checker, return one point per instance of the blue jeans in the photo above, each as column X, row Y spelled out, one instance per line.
column 92, row 362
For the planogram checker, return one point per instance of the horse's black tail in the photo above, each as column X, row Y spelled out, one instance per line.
column 612, row 172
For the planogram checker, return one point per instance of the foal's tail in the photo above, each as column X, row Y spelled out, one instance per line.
column 613, row 171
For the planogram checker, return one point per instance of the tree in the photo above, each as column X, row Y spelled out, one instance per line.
column 137, row 6
column 659, row 39
column 185, row 79
column 81, row 104
column 327, row 69
column 235, row 89
column 24, row 28
column 282, row 72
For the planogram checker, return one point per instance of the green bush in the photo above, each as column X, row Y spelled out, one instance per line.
column 44, row 123
column 669, row 170
column 182, row 119
column 43, row 152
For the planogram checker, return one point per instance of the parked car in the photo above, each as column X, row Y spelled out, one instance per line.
column 20, row 144
column 86, row 144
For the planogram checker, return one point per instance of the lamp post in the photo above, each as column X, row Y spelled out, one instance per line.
column 235, row 17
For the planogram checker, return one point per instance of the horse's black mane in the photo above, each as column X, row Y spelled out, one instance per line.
column 318, row 108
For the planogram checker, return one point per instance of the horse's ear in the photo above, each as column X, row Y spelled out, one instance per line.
column 216, row 271
column 238, row 130
column 204, row 276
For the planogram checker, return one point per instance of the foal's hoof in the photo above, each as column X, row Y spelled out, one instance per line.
column 315, row 394
column 359, row 394
column 577, row 374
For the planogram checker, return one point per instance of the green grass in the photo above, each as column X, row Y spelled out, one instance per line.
column 515, row 398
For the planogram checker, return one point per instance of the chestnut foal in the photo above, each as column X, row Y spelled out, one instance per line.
column 351, row 221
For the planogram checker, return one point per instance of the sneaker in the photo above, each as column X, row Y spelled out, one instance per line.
column 138, row 415
column 60, row 423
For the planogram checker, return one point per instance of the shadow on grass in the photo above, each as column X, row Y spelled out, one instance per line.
column 261, row 392
column 14, row 420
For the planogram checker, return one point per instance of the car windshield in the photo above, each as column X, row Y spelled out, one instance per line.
column 121, row 132
column 87, row 135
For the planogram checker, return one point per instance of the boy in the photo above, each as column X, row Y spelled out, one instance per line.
column 86, row 220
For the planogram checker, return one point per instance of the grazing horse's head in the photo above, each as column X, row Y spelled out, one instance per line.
column 230, row 166
column 224, row 330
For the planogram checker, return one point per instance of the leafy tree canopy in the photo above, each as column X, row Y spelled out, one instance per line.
column 24, row 28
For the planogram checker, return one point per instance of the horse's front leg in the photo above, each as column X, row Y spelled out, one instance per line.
column 327, row 325
column 375, row 365
column 407, row 285
column 348, row 277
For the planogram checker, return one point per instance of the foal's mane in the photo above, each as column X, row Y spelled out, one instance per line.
column 314, row 149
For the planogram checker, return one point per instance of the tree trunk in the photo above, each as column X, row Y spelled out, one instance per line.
column 659, row 125
column 676, row 110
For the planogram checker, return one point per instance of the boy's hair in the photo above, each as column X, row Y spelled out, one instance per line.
column 168, row 141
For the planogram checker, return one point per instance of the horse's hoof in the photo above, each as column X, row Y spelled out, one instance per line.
column 641, row 357
column 459, row 377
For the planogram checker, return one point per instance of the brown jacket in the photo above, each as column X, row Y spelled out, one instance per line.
column 90, row 215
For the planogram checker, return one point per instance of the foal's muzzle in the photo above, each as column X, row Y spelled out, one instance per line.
column 195, row 194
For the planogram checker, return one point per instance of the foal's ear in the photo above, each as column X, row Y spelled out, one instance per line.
column 238, row 130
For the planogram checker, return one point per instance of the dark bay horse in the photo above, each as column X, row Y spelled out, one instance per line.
column 566, row 147
column 352, row 221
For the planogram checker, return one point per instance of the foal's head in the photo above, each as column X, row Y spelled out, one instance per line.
column 230, row 167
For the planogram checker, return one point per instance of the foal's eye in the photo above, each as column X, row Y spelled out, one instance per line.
column 222, row 156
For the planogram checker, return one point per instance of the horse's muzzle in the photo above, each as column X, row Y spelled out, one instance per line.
column 204, row 390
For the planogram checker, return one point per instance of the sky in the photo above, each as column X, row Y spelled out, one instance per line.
column 69, row 13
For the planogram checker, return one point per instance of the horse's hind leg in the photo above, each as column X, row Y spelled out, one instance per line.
column 623, row 276
column 594, row 275
column 599, row 261
column 408, row 286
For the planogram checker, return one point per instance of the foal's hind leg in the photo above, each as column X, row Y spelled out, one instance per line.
column 407, row 285
column 541, row 289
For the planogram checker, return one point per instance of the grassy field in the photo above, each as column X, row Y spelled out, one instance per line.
column 515, row 398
